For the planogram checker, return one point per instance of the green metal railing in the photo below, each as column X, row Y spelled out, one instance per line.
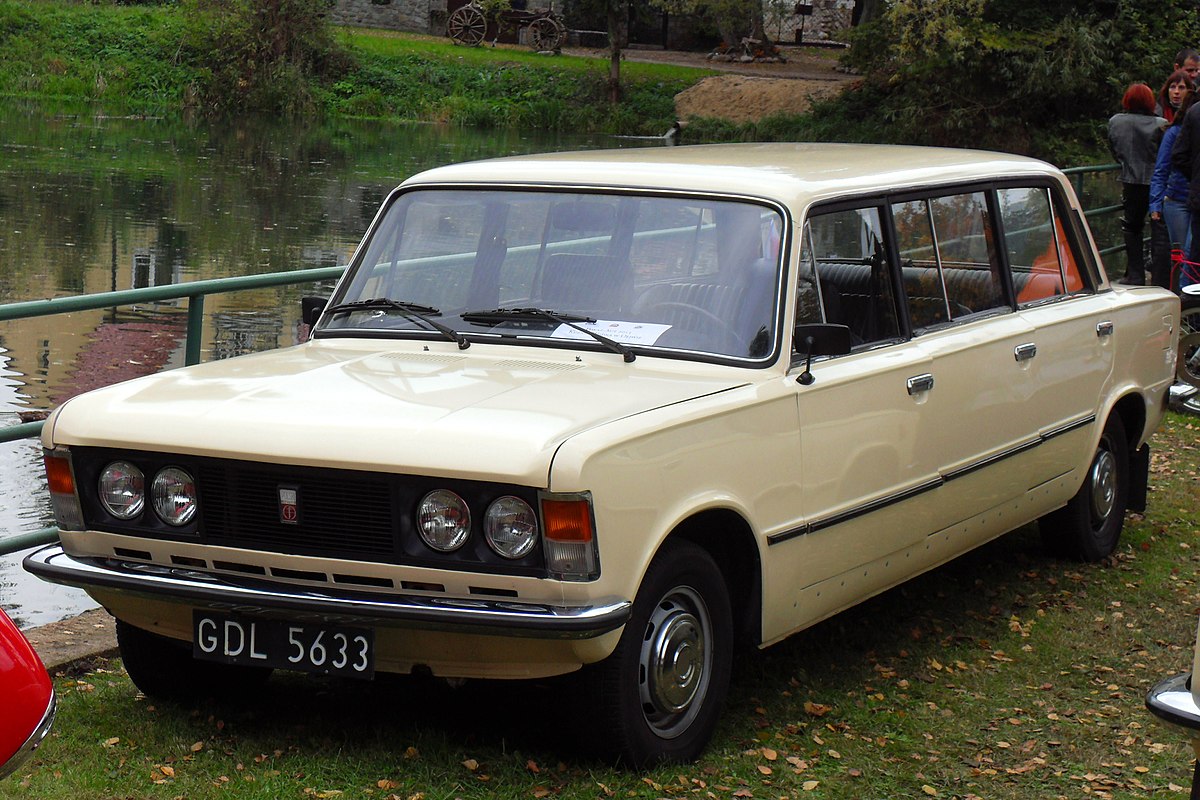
column 196, row 292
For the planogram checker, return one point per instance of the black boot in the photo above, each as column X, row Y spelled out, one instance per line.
column 1135, row 271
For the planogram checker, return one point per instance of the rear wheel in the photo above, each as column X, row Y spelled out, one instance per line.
column 1089, row 526
column 162, row 667
column 659, row 695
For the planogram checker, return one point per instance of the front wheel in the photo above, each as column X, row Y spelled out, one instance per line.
column 1089, row 526
column 659, row 694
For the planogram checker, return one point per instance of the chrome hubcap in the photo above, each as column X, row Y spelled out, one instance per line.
column 675, row 662
column 1104, row 485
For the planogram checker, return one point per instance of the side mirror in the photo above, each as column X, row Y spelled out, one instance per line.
column 819, row 340
column 311, row 308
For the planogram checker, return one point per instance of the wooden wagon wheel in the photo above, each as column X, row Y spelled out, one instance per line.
column 546, row 34
column 466, row 26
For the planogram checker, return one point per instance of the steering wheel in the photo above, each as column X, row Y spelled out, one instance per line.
column 704, row 315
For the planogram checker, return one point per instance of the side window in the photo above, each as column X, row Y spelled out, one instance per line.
column 845, row 276
column 1040, row 255
column 950, row 264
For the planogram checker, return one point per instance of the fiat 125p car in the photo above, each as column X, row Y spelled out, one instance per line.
column 616, row 414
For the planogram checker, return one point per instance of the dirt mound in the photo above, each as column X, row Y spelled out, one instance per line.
column 742, row 98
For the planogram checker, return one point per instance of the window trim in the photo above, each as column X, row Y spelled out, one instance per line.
column 883, row 202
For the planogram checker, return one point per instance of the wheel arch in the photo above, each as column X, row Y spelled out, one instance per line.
column 728, row 538
column 1131, row 408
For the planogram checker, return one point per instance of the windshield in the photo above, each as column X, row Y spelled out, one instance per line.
column 652, row 273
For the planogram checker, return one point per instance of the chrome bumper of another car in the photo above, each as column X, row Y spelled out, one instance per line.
column 1185, row 398
column 32, row 743
column 1172, row 701
column 224, row 592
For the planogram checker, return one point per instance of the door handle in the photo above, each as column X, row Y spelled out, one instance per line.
column 1024, row 352
column 1104, row 328
column 920, row 383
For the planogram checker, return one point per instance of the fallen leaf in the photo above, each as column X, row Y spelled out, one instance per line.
column 471, row 764
column 386, row 785
column 929, row 790
column 808, row 786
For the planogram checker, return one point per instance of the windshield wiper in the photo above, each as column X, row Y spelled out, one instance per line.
column 410, row 310
column 502, row 314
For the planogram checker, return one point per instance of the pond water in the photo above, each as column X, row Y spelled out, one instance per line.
column 92, row 203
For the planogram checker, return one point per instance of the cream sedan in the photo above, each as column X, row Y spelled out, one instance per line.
column 618, row 414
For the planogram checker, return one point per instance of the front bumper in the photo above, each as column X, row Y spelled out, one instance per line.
column 250, row 596
column 32, row 743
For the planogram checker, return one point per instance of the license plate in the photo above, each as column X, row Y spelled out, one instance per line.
column 305, row 647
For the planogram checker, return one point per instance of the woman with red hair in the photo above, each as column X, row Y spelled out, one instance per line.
column 1133, row 136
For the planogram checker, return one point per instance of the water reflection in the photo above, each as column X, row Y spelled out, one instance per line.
column 92, row 203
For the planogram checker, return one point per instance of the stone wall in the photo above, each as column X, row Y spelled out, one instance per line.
column 828, row 22
column 417, row 16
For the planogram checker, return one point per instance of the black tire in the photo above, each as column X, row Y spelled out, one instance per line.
column 659, row 695
column 163, row 668
column 1089, row 526
column 1188, row 370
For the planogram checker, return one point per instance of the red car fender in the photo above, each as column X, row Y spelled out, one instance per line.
column 26, row 697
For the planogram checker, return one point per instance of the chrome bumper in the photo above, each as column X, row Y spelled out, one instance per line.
column 249, row 596
column 1171, row 700
column 32, row 743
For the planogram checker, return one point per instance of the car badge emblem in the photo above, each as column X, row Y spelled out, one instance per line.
column 289, row 505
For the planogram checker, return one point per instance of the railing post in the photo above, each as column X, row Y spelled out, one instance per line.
column 195, row 329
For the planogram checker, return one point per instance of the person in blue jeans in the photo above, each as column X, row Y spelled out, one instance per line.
column 1168, row 194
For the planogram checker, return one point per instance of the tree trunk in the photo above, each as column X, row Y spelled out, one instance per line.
column 864, row 12
column 618, row 37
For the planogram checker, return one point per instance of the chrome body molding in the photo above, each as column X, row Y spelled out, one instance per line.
column 267, row 598
column 899, row 497
column 33, row 742
column 1171, row 700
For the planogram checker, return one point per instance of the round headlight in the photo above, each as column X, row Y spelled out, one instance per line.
column 174, row 496
column 444, row 520
column 122, row 490
column 511, row 527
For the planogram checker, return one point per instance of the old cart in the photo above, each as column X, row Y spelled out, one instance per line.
column 468, row 25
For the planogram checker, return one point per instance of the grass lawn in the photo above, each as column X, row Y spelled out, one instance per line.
column 1005, row 674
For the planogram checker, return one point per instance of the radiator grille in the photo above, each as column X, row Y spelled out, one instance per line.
column 353, row 515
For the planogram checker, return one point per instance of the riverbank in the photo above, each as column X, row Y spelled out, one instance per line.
column 137, row 60
column 72, row 644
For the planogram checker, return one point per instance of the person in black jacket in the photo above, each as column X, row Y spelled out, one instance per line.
column 1185, row 157
column 1133, row 136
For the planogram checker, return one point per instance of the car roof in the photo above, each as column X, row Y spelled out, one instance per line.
column 793, row 173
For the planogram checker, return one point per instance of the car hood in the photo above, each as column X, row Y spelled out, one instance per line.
column 488, row 413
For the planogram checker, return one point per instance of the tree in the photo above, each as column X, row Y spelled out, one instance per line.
column 1013, row 75
column 260, row 54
